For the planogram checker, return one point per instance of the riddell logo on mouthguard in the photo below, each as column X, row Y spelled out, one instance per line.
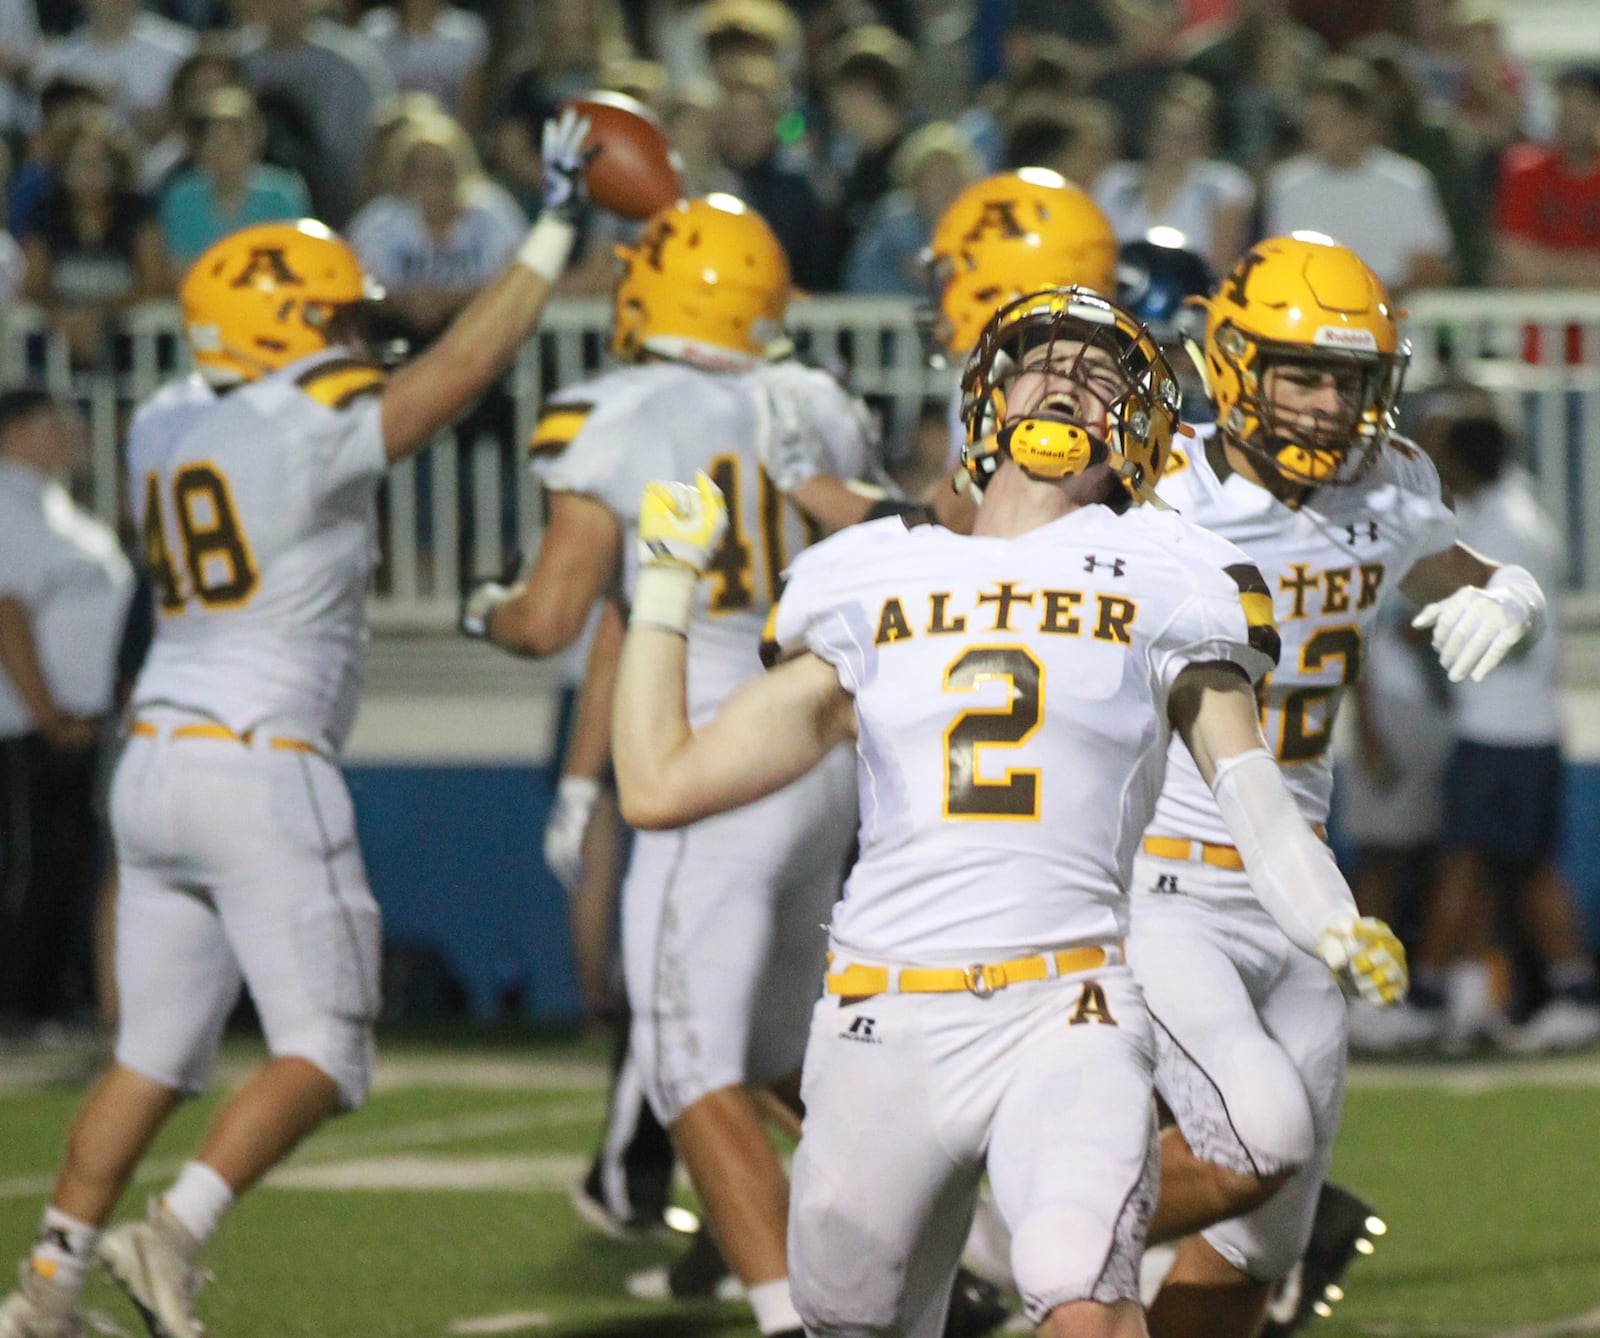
column 1337, row 336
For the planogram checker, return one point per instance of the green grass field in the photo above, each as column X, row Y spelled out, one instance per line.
column 441, row 1207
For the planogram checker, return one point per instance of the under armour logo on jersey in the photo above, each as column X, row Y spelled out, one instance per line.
column 1356, row 528
column 861, row 1029
column 1092, row 564
column 1167, row 882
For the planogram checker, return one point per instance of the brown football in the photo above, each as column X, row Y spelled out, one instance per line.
column 635, row 173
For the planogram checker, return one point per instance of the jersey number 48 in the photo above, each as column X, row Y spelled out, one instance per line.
column 216, row 565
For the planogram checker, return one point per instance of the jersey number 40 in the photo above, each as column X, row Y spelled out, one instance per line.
column 214, row 563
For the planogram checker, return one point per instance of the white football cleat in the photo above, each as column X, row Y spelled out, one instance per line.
column 1562, row 1024
column 39, row 1309
column 1403, row 1029
column 153, row 1262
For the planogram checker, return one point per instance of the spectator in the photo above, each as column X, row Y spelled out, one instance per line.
column 1079, row 139
column 572, row 48
column 212, row 66
column 130, row 54
column 698, row 41
column 434, row 47
column 94, row 246
column 866, row 93
column 1547, row 210
column 1503, row 784
column 229, row 187
column 329, row 76
column 1179, row 185
column 64, row 592
column 63, row 105
column 1259, row 64
column 933, row 166
column 690, row 122
column 1034, row 90
column 1437, row 137
column 745, row 129
column 19, row 39
column 1103, row 36
column 1382, row 206
column 432, row 239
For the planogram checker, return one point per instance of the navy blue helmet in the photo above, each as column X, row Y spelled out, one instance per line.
column 1152, row 282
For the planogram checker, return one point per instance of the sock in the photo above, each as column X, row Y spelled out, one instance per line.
column 775, row 1312
column 198, row 1198
column 64, row 1251
column 1573, row 979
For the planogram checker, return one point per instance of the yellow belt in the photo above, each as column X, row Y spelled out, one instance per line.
column 983, row 979
column 145, row 729
column 1204, row 852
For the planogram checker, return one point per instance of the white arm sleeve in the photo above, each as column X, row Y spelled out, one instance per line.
column 1292, row 873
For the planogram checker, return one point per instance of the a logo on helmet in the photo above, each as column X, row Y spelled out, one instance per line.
column 999, row 218
column 268, row 262
column 652, row 242
column 1337, row 336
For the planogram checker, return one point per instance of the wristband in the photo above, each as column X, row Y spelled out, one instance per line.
column 664, row 597
column 546, row 247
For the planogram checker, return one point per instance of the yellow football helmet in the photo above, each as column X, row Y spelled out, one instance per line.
column 1111, row 354
column 705, row 275
column 1009, row 235
column 1305, row 301
column 268, row 295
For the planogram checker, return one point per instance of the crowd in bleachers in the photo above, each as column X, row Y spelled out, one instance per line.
column 139, row 133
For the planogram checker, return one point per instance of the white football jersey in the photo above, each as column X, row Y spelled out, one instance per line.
column 1011, row 699
column 1328, row 565
column 610, row 436
column 256, row 511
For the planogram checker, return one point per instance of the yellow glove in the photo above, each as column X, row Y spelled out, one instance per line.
column 1366, row 959
column 682, row 525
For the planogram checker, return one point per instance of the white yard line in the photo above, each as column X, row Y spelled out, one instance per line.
column 359, row 1143
column 514, row 1321
column 511, row 1175
column 1553, row 1328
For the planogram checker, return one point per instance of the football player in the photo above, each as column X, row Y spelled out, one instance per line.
column 254, row 483
column 1156, row 277
column 722, row 950
column 1302, row 471
column 1010, row 234
column 1009, row 695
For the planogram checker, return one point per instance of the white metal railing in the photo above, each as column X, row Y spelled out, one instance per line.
column 467, row 507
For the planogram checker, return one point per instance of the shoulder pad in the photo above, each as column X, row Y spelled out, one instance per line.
column 340, row 382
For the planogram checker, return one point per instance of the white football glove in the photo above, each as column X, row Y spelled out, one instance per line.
column 481, row 601
column 1366, row 959
column 564, row 832
column 1475, row 628
column 682, row 524
column 564, row 161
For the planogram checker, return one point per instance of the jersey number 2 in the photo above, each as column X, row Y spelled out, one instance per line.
column 217, row 564
column 1016, row 796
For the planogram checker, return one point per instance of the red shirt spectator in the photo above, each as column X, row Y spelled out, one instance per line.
column 1548, row 207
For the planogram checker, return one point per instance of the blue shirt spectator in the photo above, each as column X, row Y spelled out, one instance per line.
column 228, row 188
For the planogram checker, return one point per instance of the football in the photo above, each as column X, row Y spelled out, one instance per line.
column 635, row 173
